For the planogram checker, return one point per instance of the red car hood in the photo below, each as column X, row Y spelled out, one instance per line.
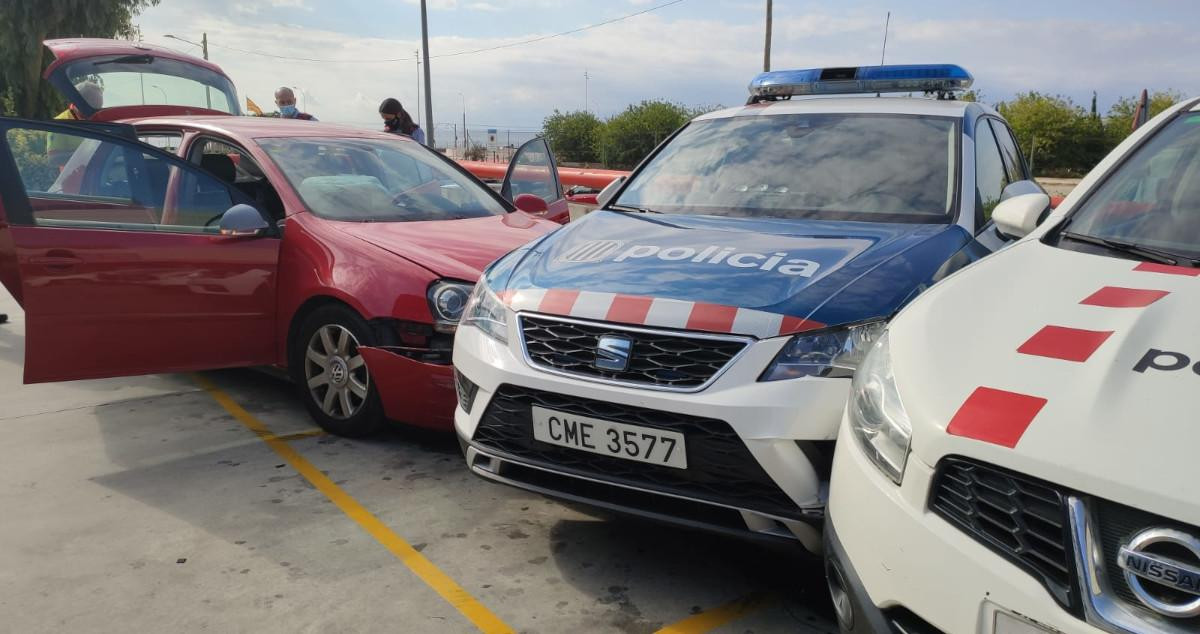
column 457, row 249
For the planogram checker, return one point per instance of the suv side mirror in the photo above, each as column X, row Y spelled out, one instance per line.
column 531, row 204
column 243, row 220
column 609, row 190
column 1020, row 215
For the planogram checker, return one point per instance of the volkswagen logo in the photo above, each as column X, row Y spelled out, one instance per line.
column 1162, row 567
column 612, row 353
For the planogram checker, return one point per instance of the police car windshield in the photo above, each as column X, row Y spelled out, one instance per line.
column 1152, row 201
column 380, row 180
column 868, row 167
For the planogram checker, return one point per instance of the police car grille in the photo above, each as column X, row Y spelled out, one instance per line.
column 1115, row 525
column 1023, row 519
column 659, row 359
column 720, row 469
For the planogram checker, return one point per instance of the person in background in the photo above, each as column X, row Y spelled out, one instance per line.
column 285, row 100
column 396, row 120
column 59, row 148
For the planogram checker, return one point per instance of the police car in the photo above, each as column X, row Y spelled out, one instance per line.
column 1018, row 451
column 684, row 353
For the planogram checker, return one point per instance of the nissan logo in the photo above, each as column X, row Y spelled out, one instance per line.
column 1162, row 567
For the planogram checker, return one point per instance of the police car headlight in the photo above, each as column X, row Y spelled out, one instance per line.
column 831, row 353
column 446, row 301
column 877, row 417
column 486, row 312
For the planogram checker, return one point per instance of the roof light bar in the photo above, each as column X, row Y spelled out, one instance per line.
column 863, row 79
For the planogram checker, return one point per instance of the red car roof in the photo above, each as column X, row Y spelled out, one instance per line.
column 70, row 49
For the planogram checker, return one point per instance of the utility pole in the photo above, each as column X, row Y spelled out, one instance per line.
column 466, row 136
column 204, row 44
column 207, row 89
column 767, row 46
column 428, row 92
column 585, row 90
column 417, row 56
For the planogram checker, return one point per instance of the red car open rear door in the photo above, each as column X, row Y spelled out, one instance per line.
column 117, row 259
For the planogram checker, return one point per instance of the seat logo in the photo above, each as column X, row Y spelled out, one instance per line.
column 612, row 353
column 1162, row 567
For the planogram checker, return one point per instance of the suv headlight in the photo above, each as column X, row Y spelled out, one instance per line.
column 831, row 353
column 877, row 416
column 486, row 312
column 447, row 301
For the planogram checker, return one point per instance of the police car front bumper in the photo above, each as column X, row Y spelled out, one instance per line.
column 782, row 430
column 905, row 569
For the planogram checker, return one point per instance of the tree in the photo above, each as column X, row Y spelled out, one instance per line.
column 631, row 135
column 573, row 136
column 1119, row 121
column 1060, row 137
column 24, row 24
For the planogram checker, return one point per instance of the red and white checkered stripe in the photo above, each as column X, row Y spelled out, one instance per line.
column 1001, row 417
column 656, row 311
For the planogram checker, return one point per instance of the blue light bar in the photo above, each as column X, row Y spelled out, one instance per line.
column 863, row 79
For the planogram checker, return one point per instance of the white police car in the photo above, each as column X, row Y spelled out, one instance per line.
column 684, row 352
column 1019, row 450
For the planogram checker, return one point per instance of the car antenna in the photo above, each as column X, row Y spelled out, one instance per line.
column 883, row 54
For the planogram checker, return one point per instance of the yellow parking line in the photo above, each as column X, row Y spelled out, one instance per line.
column 442, row 584
column 716, row 617
column 300, row 435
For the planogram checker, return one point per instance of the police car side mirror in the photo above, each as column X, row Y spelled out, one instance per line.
column 1019, row 215
column 609, row 190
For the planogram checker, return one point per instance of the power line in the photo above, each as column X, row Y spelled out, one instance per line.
column 456, row 53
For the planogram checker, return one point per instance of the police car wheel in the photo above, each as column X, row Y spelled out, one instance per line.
column 331, row 375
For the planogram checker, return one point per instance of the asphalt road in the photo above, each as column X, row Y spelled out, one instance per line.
column 210, row 503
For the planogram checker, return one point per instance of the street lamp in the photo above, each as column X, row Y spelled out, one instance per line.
column 466, row 137
column 164, row 93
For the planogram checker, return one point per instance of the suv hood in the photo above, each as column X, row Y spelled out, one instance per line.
column 455, row 249
column 1088, row 369
column 765, row 276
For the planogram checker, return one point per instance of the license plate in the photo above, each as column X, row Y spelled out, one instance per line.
column 1009, row 624
column 631, row 442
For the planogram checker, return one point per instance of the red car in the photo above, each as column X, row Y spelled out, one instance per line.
column 163, row 233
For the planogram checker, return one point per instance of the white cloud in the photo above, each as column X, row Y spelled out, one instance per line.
column 690, row 60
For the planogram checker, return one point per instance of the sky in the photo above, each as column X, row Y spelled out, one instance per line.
column 693, row 52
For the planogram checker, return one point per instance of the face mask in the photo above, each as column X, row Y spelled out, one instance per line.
column 288, row 111
column 392, row 124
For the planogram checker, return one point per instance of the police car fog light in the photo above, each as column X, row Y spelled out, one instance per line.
column 877, row 417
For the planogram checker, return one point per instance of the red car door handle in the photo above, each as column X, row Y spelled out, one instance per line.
column 56, row 259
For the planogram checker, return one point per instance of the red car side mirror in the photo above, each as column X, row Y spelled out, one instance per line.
column 531, row 204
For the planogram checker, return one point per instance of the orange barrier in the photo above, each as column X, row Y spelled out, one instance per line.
column 569, row 176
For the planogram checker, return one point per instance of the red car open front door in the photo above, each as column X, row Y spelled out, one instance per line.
column 119, row 261
column 532, row 171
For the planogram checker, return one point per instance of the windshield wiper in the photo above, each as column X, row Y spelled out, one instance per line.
column 641, row 210
column 1149, row 253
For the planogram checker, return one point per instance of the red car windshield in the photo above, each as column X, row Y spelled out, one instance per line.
column 377, row 180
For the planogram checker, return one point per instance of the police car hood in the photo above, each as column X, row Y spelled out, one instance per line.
column 1076, row 368
column 777, row 272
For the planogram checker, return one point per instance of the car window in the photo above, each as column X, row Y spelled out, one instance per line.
column 165, row 141
column 532, row 173
column 990, row 176
column 867, row 167
column 1153, row 198
column 377, row 180
column 133, row 80
column 236, row 167
column 109, row 184
column 1014, row 165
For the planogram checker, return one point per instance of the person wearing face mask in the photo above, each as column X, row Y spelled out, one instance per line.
column 396, row 120
column 285, row 100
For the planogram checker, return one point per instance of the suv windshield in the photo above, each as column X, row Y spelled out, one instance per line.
column 870, row 167
column 134, row 80
column 1152, row 200
column 377, row 180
